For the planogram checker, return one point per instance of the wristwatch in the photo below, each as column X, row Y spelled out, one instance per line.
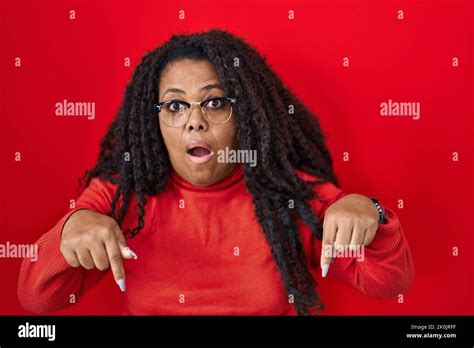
column 382, row 213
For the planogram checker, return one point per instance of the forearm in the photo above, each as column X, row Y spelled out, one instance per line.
column 382, row 269
column 50, row 283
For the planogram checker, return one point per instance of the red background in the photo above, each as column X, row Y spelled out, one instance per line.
column 407, row 60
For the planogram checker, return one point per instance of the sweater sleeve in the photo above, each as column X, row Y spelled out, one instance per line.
column 384, row 268
column 50, row 283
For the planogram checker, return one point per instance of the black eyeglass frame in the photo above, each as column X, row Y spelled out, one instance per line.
column 233, row 101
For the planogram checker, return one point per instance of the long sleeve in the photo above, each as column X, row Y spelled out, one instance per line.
column 384, row 269
column 49, row 283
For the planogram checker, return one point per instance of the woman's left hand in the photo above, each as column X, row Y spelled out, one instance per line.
column 350, row 221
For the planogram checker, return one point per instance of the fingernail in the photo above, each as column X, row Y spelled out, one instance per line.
column 131, row 253
column 325, row 270
column 121, row 284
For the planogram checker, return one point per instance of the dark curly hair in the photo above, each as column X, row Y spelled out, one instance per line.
column 284, row 141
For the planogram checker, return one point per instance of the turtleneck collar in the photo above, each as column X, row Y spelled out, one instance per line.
column 232, row 178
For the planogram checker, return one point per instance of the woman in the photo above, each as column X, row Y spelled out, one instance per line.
column 188, row 230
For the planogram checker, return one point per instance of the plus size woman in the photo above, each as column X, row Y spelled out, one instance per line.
column 186, row 231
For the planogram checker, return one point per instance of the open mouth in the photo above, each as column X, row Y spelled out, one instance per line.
column 198, row 151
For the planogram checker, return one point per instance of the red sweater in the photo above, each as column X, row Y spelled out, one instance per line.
column 188, row 253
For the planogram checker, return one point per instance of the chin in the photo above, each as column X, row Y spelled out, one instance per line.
column 202, row 181
column 201, row 176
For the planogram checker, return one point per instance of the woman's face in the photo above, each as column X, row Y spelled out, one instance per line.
column 196, row 80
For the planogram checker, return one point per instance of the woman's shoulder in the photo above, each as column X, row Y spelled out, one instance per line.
column 98, row 183
column 306, row 176
column 319, row 181
column 98, row 191
column 325, row 190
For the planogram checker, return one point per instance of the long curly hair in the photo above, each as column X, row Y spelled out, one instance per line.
column 269, row 118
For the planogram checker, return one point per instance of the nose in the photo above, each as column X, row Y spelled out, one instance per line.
column 196, row 120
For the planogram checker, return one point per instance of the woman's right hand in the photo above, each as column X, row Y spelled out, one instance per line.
column 93, row 240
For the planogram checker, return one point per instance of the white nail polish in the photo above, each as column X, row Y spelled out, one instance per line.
column 131, row 253
column 121, row 284
column 135, row 256
column 324, row 270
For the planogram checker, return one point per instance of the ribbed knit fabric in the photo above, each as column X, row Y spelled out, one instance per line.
column 203, row 252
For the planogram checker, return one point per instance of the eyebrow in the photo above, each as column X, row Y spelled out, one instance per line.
column 205, row 88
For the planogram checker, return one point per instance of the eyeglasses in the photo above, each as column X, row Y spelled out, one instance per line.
column 176, row 113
